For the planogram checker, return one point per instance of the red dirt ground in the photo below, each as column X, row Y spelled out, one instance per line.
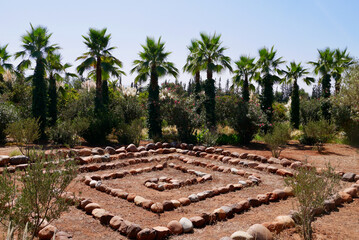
column 343, row 224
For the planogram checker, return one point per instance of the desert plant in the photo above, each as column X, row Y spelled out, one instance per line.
column 277, row 138
column 37, row 195
column 24, row 132
column 318, row 133
column 130, row 133
column 311, row 190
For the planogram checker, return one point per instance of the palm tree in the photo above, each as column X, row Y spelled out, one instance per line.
column 36, row 45
column 244, row 74
column 324, row 67
column 268, row 64
column 99, row 59
column 293, row 73
column 194, row 64
column 151, row 65
column 342, row 61
column 214, row 60
column 4, row 65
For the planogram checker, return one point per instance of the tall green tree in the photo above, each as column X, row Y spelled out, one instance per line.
column 54, row 68
column 100, row 61
column 342, row 62
column 294, row 72
column 36, row 45
column 324, row 67
column 268, row 64
column 214, row 60
column 151, row 65
column 194, row 64
column 245, row 72
column 4, row 65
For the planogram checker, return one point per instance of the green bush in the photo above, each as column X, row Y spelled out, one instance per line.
column 279, row 112
column 311, row 190
column 278, row 138
column 8, row 114
column 207, row 137
column 99, row 128
column 38, row 192
column 246, row 119
column 68, row 132
column 130, row 133
column 232, row 139
column 310, row 110
column 317, row 133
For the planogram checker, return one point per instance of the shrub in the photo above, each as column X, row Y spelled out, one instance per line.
column 279, row 112
column 247, row 119
column 310, row 110
column 278, row 138
column 24, row 132
column 311, row 190
column 68, row 132
column 207, row 137
column 224, row 139
column 39, row 192
column 130, row 133
column 8, row 114
column 317, row 133
column 100, row 126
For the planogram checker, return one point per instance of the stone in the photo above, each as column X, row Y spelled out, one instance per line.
column 20, row 159
column 263, row 198
column 91, row 206
column 220, row 214
column 139, row 200
column 175, row 227
column 329, row 205
column 284, row 173
column 84, row 152
column 115, row 222
column 161, row 232
column 97, row 151
column 123, row 227
column 240, row 235
column 47, row 232
column 106, row 218
column 284, row 222
column 141, row 148
column 110, row 150
column 280, row 193
column 187, row 225
column 254, row 202
column 225, row 238
column 146, row 234
column 84, row 203
column 349, row 177
column 168, row 205
column 235, row 155
column 272, row 169
column 146, row 204
column 4, row 160
column 210, row 150
column 121, row 150
column 176, row 203
column 193, row 198
column 98, row 212
column 184, row 201
column 157, row 207
column 285, row 162
column 131, row 148
column 133, row 230
column 131, row 197
column 296, row 165
column 260, row 232
column 346, row 198
column 288, row 191
column 198, row 222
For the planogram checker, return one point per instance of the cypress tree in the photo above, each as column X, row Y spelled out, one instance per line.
column 39, row 95
column 154, row 114
column 210, row 103
column 326, row 106
column 267, row 97
column 52, row 106
column 294, row 109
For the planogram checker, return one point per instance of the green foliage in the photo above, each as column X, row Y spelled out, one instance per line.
column 247, row 119
column 310, row 110
column 207, row 137
column 224, row 108
column 295, row 107
column 128, row 133
column 210, row 103
column 38, row 192
column 8, row 114
column 24, row 132
column 245, row 72
column 277, row 138
column 317, row 133
column 52, row 104
column 100, row 127
column 279, row 112
column 68, row 132
column 231, row 139
column 311, row 190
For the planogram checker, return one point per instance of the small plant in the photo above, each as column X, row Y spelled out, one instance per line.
column 278, row 138
column 14, row 153
column 207, row 137
column 130, row 133
column 37, row 195
column 24, row 132
column 317, row 133
column 311, row 190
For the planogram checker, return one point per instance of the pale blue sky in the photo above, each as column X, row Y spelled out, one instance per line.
column 296, row 28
